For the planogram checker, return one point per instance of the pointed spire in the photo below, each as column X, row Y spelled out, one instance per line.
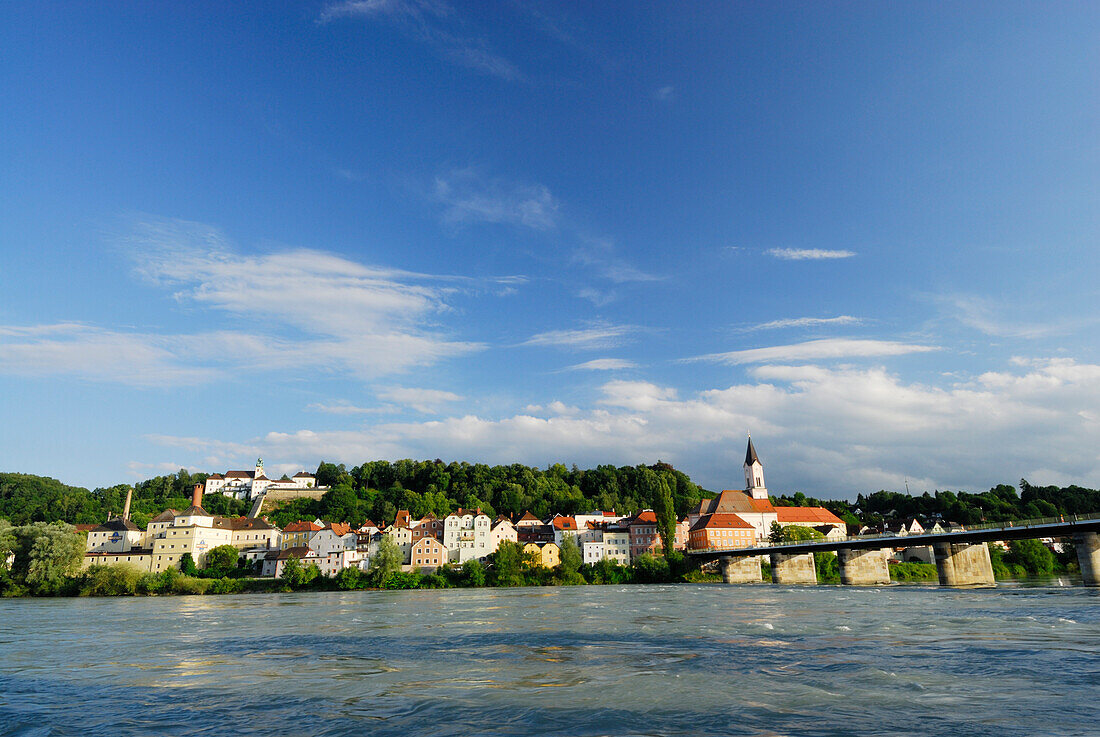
column 750, row 454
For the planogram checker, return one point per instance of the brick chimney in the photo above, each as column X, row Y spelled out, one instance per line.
column 126, row 507
column 196, row 496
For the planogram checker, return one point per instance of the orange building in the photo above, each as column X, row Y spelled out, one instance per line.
column 721, row 530
column 427, row 552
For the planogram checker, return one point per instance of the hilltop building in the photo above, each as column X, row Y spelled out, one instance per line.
column 254, row 483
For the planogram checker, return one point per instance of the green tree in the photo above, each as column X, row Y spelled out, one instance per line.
column 507, row 564
column 46, row 554
column 473, row 574
column 348, row 579
column 571, row 561
column 7, row 543
column 223, row 558
column 665, row 509
column 1035, row 557
column 386, row 562
column 187, row 565
column 793, row 533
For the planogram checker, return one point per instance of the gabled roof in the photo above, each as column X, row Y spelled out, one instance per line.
column 528, row 517
column 807, row 515
column 303, row 475
column 645, row 517
column 194, row 511
column 339, row 528
column 298, row 551
column 721, row 521
column 750, row 455
column 117, row 525
column 565, row 523
column 735, row 502
column 301, row 526
column 166, row 516
column 215, row 476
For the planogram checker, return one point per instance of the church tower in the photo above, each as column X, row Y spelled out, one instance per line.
column 754, row 474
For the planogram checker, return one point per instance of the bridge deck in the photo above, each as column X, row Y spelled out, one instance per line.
column 1025, row 529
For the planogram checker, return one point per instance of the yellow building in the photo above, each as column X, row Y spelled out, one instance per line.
column 548, row 555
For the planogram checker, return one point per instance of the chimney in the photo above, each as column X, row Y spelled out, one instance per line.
column 126, row 508
column 196, row 496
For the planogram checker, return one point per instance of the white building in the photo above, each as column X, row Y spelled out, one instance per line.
column 467, row 535
column 254, row 483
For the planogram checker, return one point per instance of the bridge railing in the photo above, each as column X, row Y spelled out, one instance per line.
column 898, row 540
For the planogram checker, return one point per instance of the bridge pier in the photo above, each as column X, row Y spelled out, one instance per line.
column 863, row 567
column 962, row 564
column 794, row 568
column 1088, row 556
column 742, row 570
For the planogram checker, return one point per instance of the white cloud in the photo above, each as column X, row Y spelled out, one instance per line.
column 599, row 253
column 824, row 431
column 347, row 408
column 992, row 318
column 805, row 254
column 422, row 400
column 826, row 348
column 604, row 364
column 806, row 322
column 595, row 336
column 664, row 94
column 467, row 196
column 306, row 310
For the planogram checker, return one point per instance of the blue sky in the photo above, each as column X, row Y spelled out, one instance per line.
column 867, row 233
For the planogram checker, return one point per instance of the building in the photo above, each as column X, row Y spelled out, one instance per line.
column 502, row 529
column 297, row 534
column 818, row 518
column 428, row 553
column 563, row 527
column 254, row 483
column 592, row 551
column 721, row 530
column 467, row 535
column 616, row 543
column 643, row 534
column 547, row 555
column 528, row 520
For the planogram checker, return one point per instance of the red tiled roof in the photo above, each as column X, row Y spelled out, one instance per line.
column 646, row 517
column 340, row 528
column 565, row 523
column 301, row 526
column 808, row 515
column 721, row 520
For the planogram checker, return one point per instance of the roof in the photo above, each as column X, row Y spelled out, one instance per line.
column 528, row 517
column 117, row 525
column 423, row 542
column 339, row 528
column 735, row 502
column 193, row 511
column 250, row 523
column 84, row 528
column 301, row 526
column 721, row 521
column 239, row 474
column 750, row 455
column 303, row 475
column 808, row 515
column 298, row 551
column 166, row 516
column 645, row 517
column 215, row 476
column 565, row 523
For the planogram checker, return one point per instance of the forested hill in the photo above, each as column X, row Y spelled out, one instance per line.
column 374, row 490
column 377, row 489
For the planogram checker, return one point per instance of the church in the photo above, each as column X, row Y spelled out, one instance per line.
column 753, row 506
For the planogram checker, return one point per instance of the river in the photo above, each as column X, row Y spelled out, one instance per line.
column 596, row 660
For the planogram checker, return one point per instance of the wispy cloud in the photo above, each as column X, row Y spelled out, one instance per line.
column 806, row 322
column 595, row 336
column 426, row 401
column 603, row 364
column 826, row 348
column 600, row 254
column 468, row 196
column 664, row 94
column 296, row 307
column 995, row 319
column 435, row 24
column 807, row 254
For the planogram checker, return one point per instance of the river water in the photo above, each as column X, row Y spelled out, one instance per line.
column 597, row 660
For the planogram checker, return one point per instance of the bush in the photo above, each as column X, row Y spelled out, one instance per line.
column 473, row 574
column 433, row 581
column 121, row 579
column 402, row 580
column 349, row 579
column 913, row 572
column 650, row 569
column 225, row 586
column 186, row 585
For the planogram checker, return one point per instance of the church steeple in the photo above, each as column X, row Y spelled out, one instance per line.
column 754, row 473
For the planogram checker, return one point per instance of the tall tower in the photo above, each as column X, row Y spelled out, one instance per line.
column 754, row 474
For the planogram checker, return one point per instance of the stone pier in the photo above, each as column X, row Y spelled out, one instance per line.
column 793, row 568
column 863, row 567
column 742, row 570
column 1088, row 556
column 962, row 564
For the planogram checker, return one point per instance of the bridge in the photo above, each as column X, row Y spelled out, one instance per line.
column 962, row 558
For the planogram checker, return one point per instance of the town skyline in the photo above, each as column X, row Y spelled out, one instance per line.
column 348, row 231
